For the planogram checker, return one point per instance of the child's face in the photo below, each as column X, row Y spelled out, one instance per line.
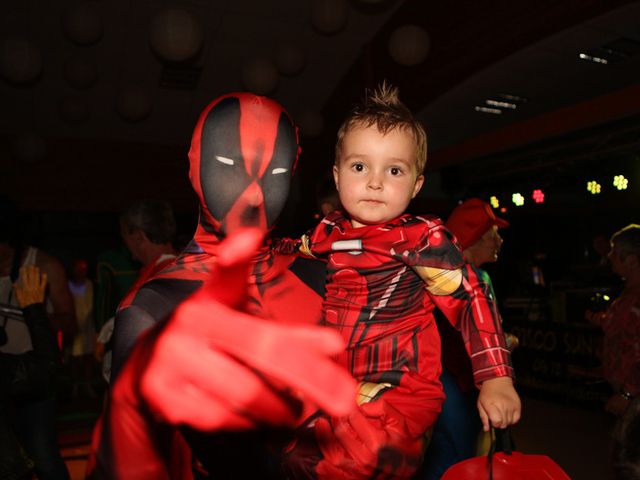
column 376, row 174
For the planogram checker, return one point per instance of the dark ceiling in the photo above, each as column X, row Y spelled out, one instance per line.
column 106, row 120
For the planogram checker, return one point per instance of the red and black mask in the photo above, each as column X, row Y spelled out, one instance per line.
column 243, row 152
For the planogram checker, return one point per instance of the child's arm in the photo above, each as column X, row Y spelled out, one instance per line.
column 462, row 296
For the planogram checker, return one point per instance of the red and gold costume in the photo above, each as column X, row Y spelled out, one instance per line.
column 383, row 283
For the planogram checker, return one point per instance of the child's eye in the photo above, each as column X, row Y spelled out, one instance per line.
column 358, row 167
column 395, row 171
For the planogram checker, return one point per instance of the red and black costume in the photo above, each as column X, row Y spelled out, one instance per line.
column 244, row 150
column 383, row 310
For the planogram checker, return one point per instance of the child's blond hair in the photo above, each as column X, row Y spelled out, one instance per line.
column 383, row 108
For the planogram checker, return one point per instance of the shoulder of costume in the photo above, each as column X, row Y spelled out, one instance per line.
column 428, row 221
column 335, row 219
column 417, row 227
column 160, row 296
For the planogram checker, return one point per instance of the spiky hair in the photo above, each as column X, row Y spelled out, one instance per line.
column 382, row 107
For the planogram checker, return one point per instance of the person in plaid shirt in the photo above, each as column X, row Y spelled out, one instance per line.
column 621, row 322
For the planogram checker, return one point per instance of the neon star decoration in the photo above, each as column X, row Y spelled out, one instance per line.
column 620, row 182
column 517, row 199
column 594, row 187
column 538, row 196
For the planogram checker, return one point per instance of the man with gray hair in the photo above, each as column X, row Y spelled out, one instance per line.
column 148, row 229
column 621, row 322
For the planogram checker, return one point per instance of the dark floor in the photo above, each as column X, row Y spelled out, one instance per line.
column 576, row 438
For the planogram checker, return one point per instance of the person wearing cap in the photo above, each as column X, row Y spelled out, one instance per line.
column 476, row 228
column 456, row 431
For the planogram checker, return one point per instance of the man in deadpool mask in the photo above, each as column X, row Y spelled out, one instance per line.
column 242, row 159
column 230, row 340
column 243, row 152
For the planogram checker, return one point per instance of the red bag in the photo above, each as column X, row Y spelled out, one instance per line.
column 506, row 465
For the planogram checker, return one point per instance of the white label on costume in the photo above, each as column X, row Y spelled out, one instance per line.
column 347, row 245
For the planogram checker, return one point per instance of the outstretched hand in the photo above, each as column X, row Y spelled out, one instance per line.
column 498, row 403
column 31, row 285
column 216, row 366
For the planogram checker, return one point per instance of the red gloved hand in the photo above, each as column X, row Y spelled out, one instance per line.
column 215, row 366
column 373, row 441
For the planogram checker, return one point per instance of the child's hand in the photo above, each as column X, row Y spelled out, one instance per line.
column 498, row 403
column 30, row 286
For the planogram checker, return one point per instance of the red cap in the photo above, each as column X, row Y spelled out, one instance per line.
column 471, row 219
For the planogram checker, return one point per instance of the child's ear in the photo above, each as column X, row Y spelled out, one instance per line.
column 336, row 177
column 417, row 186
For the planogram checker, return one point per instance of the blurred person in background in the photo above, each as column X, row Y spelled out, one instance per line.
column 328, row 199
column 27, row 378
column 621, row 322
column 148, row 229
column 83, row 346
column 33, row 416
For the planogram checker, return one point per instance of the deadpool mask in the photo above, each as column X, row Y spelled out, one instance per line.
column 243, row 152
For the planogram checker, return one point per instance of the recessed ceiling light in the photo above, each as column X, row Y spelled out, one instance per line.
column 616, row 50
column 593, row 58
column 495, row 111
column 509, row 97
column 500, row 104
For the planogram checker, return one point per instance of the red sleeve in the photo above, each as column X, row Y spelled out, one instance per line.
column 473, row 311
column 286, row 246
column 128, row 443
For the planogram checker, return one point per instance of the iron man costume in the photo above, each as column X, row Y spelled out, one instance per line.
column 379, row 304
column 376, row 298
